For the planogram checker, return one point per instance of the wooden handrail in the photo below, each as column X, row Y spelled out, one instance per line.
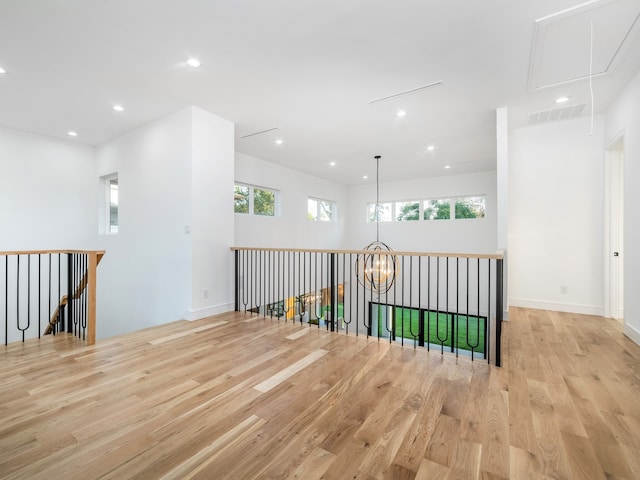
column 496, row 256
column 100, row 253
column 88, row 281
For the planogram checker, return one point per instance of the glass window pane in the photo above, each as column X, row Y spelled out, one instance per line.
column 407, row 211
column 312, row 209
column 470, row 207
column 383, row 212
column 439, row 209
column 113, row 205
column 264, row 202
column 326, row 211
column 241, row 199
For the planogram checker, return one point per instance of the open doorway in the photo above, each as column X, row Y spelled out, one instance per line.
column 614, row 228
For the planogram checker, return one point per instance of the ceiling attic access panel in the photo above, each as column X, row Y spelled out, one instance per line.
column 561, row 51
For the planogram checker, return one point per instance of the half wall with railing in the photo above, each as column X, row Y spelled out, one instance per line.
column 48, row 292
column 452, row 303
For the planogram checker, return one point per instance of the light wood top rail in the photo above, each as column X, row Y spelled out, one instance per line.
column 497, row 256
column 43, row 252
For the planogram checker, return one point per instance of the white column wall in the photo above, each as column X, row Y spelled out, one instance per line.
column 212, row 218
column 556, row 217
column 145, row 277
column 624, row 118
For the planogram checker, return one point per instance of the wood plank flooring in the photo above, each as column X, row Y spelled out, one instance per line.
column 240, row 397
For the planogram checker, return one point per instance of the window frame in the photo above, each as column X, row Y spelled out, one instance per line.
column 251, row 210
column 106, row 213
column 318, row 216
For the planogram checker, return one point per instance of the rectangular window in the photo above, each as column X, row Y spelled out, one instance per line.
column 320, row 210
column 264, row 202
column 470, row 207
column 109, row 204
column 113, row 205
column 406, row 211
column 241, row 199
column 252, row 200
column 437, row 209
column 380, row 212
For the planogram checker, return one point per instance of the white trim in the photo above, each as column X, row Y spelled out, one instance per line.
column 632, row 333
column 556, row 306
column 210, row 311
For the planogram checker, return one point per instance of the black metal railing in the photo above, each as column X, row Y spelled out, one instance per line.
column 450, row 302
column 48, row 292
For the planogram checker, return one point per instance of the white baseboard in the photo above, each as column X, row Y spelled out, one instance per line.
column 198, row 313
column 632, row 333
column 556, row 306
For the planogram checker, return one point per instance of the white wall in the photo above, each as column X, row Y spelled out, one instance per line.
column 454, row 236
column 175, row 179
column 47, row 193
column 291, row 229
column 556, row 216
column 47, row 202
column 624, row 118
column 212, row 217
column 145, row 277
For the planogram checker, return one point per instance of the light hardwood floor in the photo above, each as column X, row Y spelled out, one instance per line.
column 245, row 397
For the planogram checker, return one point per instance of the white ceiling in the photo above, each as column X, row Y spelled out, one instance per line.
column 311, row 68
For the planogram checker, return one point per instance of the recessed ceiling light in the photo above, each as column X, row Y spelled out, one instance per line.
column 562, row 99
column 401, row 113
column 332, row 164
column 193, row 62
column 118, row 108
column 2, row 70
column 279, row 141
column 364, row 177
column 447, row 167
column 431, row 148
column 71, row 133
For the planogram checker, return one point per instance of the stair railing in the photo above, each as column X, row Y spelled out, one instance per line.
column 48, row 292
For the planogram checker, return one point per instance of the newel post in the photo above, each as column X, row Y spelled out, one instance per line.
column 91, row 295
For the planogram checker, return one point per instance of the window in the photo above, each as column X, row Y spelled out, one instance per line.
column 113, row 205
column 407, row 211
column 264, row 202
column 437, row 209
column 470, row 207
column 320, row 210
column 241, row 199
column 254, row 200
column 109, row 204
column 381, row 214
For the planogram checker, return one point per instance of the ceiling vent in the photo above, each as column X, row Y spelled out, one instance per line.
column 563, row 113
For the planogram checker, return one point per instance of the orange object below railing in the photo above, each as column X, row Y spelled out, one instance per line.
column 39, row 285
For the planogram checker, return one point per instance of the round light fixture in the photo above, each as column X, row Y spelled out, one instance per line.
column 2, row 70
column 279, row 141
column 193, row 62
column 447, row 167
column 401, row 113
column 118, row 108
column 431, row 148
column 364, row 177
column 332, row 164
column 71, row 133
column 562, row 99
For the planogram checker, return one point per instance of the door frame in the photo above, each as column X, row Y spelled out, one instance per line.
column 614, row 228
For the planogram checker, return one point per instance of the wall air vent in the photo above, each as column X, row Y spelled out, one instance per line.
column 564, row 113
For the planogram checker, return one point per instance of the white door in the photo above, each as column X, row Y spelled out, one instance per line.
column 614, row 228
